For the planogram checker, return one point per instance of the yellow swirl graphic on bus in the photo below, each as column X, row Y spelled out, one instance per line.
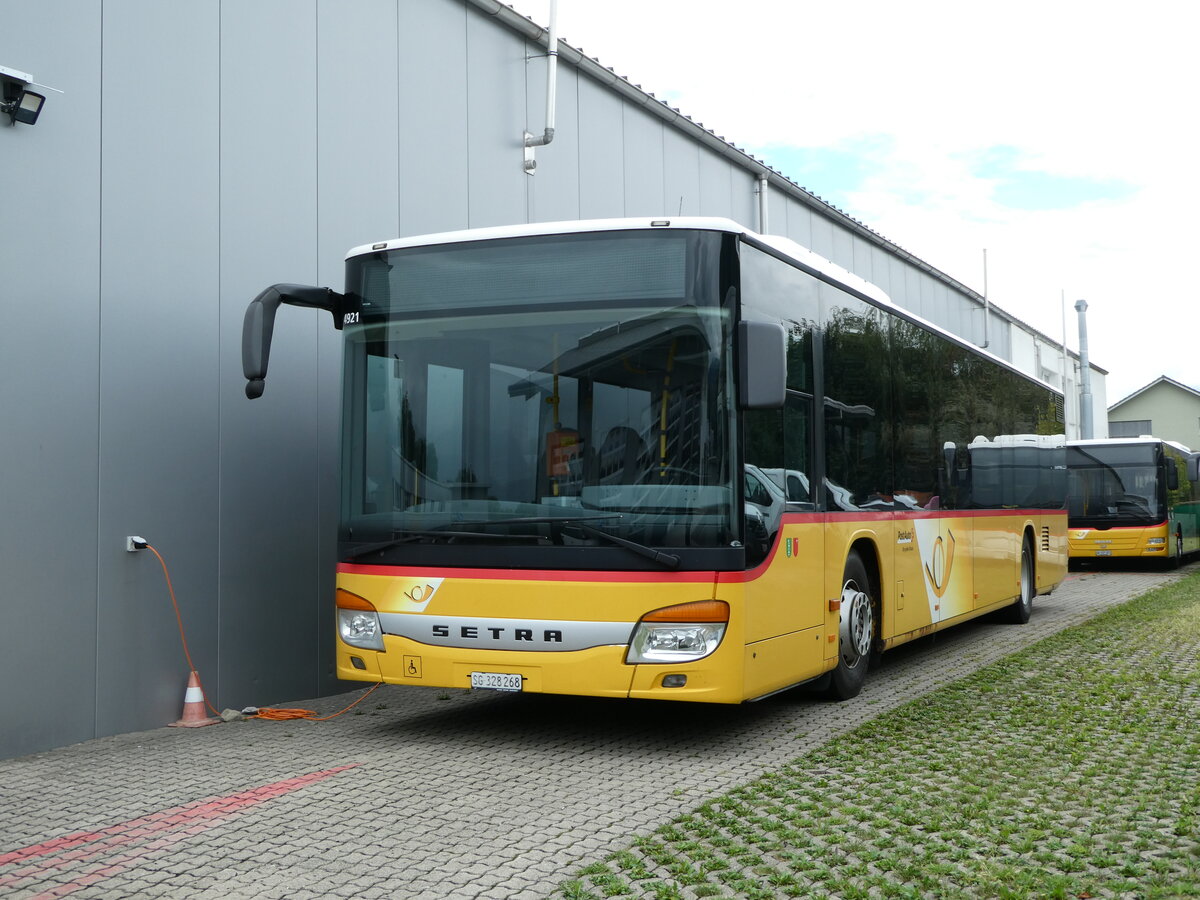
column 940, row 564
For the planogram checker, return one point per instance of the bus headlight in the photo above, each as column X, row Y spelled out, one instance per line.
column 358, row 623
column 1156, row 541
column 680, row 633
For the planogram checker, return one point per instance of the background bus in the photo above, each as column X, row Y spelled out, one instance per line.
column 579, row 458
column 1133, row 498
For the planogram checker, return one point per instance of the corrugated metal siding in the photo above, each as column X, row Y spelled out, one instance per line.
column 49, row 392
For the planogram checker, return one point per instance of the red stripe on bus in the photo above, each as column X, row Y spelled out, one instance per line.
column 903, row 512
column 528, row 574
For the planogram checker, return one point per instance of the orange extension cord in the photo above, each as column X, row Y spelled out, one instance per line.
column 274, row 714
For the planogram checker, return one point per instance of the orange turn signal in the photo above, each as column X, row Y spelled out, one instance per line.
column 347, row 600
column 701, row 611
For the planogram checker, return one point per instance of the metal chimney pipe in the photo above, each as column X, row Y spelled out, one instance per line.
column 1085, row 375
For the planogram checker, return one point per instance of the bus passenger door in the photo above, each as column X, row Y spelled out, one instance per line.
column 913, row 606
column 784, row 604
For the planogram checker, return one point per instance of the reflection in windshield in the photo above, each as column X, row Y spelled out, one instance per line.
column 1116, row 483
column 507, row 424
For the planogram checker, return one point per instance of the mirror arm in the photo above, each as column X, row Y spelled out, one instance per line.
column 259, row 324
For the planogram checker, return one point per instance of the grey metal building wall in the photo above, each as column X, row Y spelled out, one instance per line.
column 202, row 151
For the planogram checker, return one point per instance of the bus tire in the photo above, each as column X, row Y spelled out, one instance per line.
column 1022, row 607
column 856, row 631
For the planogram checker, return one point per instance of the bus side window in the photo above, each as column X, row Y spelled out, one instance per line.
column 797, row 492
column 779, row 443
column 797, row 447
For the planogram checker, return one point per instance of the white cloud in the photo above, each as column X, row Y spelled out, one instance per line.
column 1079, row 90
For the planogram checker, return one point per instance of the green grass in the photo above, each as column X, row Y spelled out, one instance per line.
column 1071, row 769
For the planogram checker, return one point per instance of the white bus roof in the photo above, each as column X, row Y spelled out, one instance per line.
column 1141, row 439
column 1020, row 440
column 693, row 223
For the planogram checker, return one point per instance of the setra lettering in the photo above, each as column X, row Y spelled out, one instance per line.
column 480, row 633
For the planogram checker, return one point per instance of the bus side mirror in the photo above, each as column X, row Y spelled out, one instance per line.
column 259, row 324
column 1193, row 467
column 762, row 365
column 1172, row 475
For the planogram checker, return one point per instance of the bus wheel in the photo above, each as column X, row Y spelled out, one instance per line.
column 1022, row 607
column 856, row 633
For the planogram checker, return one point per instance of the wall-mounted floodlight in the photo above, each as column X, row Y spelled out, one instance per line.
column 16, row 100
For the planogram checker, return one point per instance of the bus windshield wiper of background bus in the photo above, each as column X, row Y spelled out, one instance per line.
column 664, row 459
column 1134, row 498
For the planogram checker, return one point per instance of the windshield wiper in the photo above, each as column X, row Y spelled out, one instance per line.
column 670, row 560
column 536, row 520
column 413, row 536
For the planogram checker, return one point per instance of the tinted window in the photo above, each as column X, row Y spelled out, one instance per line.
column 857, row 407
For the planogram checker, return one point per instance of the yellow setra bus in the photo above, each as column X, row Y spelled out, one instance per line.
column 664, row 459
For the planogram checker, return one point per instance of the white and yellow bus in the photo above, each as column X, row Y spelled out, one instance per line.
column 664, row 459
column 1132, row 498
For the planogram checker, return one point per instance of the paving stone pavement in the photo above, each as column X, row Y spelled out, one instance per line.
column 424, row 793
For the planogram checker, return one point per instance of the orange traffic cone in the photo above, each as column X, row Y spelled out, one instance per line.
column 193, row 706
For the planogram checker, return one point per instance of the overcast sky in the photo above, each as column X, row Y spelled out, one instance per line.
column 1062, row 137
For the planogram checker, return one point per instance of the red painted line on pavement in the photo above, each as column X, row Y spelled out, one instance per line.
column 169, row 826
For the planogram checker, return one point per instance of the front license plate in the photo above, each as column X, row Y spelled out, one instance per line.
column 1104, row 553
column 495, row 681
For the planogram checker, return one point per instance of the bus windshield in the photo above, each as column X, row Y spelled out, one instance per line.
column 539, row 398
column 1115, row 484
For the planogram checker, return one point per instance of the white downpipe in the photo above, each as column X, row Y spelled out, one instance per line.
column 762, row 204
column 547, row 136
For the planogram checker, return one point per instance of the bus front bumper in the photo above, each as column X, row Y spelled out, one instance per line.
column 594, row 672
